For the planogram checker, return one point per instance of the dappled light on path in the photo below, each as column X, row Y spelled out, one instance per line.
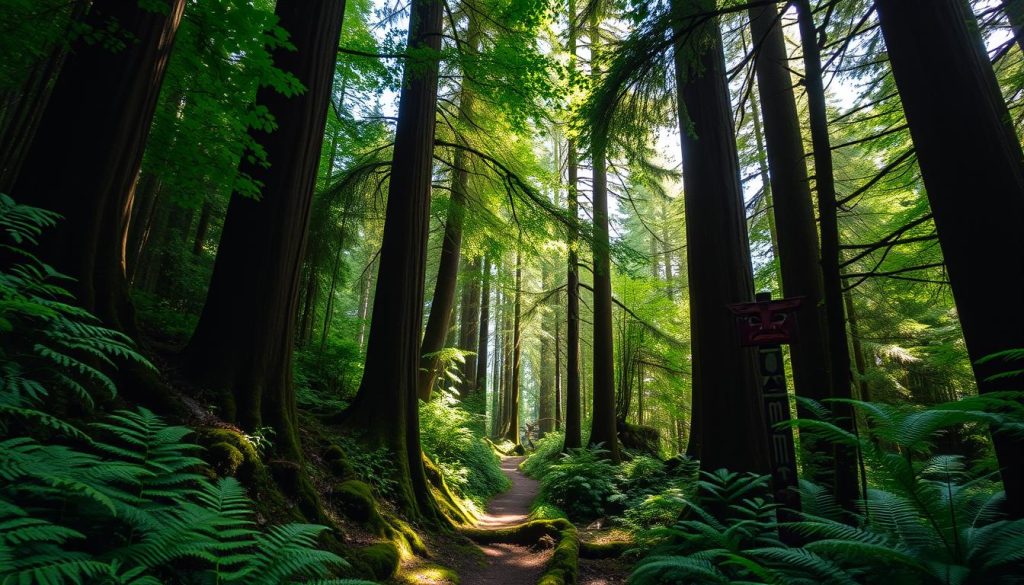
column 508, row 564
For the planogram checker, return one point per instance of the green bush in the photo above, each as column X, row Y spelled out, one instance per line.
column 580, row 483
column 546, row 452
column 468, row 464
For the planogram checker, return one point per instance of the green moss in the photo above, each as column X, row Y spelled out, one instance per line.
column 411, row 538
column 603, row 550
column 355, row 500
column 295, row 484
column 450, row 505
column 564, row 566
column 379, row 561
column 224, row 458
column 338, row 463
column 229, row 452
column 428, row 573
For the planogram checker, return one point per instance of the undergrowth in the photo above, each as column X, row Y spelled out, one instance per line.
column 123, row 498
column 468, row 464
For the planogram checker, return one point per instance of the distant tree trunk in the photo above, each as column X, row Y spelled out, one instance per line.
column 546, row 389
column 573, row 418
column 333, row 288
column 725, row 389
column 858, row 350
column 18, row 123
column 448, row 270
column 469, row 325
column 203, row 228
column 483, row 336
column 242, row 345
column 973, row 152
column 365, row 300
column 602, row 425
column 558, row 363
column 667, row 252
column 514, row 392
column 797, row 231
column 142, row 224
column 96, row 123
column 844, row 469
column 309, row 298
column 1015, row 13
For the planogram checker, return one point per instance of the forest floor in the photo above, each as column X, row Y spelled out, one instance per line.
column 507, row 564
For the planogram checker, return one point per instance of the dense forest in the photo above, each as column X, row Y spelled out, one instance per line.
column 511, row 292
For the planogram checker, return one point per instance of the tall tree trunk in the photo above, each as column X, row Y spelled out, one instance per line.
column 484, row 335
column 725, row 389
column 797, row 232
column 512, row 433
column 1015, row 13
column 385, row 408
column 203, row 228
column 602, row 425
column 100, row 111
column 447, row 273
column 973, row 152
column 573, row 419
column 546, row 388
column 844, row 469
column 242, row 345
column 558, row 363
column 18, row 124
column 469, row 325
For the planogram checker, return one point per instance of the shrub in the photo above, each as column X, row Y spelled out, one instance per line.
column 581, row 483
column 546, row 452
column 468, row 464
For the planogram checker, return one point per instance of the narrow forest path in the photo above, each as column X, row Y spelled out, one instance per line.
column 508, row 564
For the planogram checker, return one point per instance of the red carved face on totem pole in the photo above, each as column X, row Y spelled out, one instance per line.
column 766, row 322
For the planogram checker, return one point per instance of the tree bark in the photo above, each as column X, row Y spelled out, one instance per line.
column 844, row 468
column 725, row 389
column 966, row 145
column 385, row 408
column 573, row 420
column 99, row 111
column 602, row 424
column 242, row 345
column 793, row 210
column 469, row 325
column 546, row 388
column 483, row 336
column 1015, row 13
column 447, row 273
column 512, row 433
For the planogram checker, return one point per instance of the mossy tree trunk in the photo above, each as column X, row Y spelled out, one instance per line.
column 385, row 409
column 793, row 209
column 96, row 123
column 242, row 346
column 726, row 394
column 843, row 478
column 469, row 325
column 602, row 424
column 971, row 161
column 573, row 419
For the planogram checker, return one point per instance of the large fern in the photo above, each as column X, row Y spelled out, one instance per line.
column 121, row 500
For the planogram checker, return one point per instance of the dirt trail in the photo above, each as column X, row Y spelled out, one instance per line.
column 506, row 564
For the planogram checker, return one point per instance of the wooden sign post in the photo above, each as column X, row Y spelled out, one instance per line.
column 768, row 324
